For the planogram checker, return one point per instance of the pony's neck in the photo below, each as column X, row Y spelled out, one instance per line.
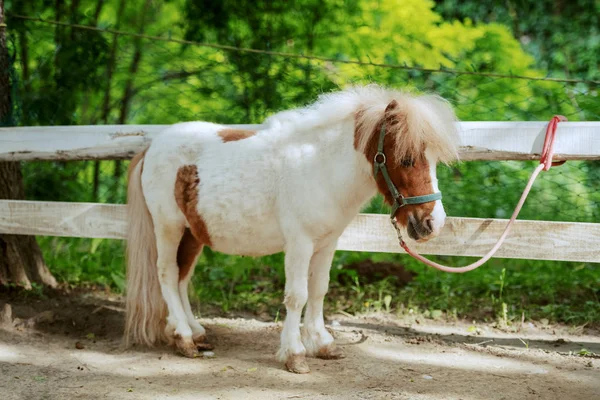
column 365, row 146
column 360, row 185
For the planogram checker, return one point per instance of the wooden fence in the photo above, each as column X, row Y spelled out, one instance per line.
column 541, row 240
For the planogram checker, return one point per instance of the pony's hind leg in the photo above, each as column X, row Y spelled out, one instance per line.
column 167, row 241
column 187, row 256
column 316, row 339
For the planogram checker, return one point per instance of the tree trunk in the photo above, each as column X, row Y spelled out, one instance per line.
column 21, row 260
column 128, row 92
column 135, row 63
column 99, row 6
column 110, row 68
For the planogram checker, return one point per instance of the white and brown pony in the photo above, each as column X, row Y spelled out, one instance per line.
column 292, row 186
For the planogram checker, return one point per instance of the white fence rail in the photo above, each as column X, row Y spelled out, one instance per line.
column 542, row 240
column 481, row 141
column 539, row 240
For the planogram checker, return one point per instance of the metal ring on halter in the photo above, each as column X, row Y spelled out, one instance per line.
column 400, row 200
column 398, row 232
column 379, row 153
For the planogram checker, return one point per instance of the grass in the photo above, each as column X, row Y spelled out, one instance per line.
column 503, row 290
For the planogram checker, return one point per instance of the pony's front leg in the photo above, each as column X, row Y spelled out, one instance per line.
column 167, row 242
column 317, row 340
column 297, row 259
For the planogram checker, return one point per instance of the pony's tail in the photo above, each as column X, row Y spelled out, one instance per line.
column 146, row 310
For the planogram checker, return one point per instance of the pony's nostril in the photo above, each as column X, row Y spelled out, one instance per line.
column 428, row 223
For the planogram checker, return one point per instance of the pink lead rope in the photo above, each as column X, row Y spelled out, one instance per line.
column 545, row 164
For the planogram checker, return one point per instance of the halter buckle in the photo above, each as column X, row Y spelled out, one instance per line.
column 383, row 158
column 400, row 200
column 398, row 231
column 377, row 165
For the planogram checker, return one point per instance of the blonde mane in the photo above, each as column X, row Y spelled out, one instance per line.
column 427, row 120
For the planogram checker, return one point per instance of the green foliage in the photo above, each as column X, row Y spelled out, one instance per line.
column 77, row 261
column 564, row 37
column 65, row 75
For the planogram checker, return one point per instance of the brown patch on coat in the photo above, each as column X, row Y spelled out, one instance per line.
column 187, row 253
column 410, row 181
column 233, row 135
column 186, row 196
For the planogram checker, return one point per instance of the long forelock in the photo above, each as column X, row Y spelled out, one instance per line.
column 434, row 123
column 420, row 122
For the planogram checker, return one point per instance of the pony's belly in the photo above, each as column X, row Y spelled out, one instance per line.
column 253, row 247
column 260, row 239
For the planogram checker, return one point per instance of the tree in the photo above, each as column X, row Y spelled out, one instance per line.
column 21, row 260
column 264, row 84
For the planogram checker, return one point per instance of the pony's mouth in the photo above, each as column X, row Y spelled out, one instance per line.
column 418, row 231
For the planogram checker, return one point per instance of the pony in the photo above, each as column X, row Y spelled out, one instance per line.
column 292, row 186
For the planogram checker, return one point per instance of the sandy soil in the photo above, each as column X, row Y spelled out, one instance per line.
column 68, row 347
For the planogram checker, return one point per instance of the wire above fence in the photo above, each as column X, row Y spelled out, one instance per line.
column 302, row 56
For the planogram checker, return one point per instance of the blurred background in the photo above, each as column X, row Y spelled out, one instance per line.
column 85, row 62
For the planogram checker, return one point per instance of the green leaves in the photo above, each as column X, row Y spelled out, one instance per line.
column 118, row 280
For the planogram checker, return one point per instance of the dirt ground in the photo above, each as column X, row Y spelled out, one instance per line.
column 68, row 347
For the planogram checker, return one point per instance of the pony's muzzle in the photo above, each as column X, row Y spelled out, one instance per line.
column 422, row 229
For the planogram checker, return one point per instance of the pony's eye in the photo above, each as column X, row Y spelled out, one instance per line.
column 408, row 162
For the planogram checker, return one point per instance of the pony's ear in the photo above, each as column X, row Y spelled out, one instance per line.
column 392, row 106
column 392, row 113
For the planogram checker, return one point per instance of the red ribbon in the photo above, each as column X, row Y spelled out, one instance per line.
column 548, row 149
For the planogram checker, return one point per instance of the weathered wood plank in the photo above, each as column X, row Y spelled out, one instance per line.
column 47, row 218
column 480, row 140
column 540, row 240
column 524, row 140
column 101, row 142
column 84, row 142
column 536, row 240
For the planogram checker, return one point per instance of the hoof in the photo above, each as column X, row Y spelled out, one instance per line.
column 186, row 348
column 170, row 334
column 200, row 342
column 297, row 364
column 331, row 352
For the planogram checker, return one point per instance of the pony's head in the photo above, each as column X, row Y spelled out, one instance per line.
column 418, row 132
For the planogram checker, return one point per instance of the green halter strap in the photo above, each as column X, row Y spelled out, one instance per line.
column 399, row 201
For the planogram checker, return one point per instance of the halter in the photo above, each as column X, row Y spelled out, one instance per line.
column 399, row 201
column 545, row 164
